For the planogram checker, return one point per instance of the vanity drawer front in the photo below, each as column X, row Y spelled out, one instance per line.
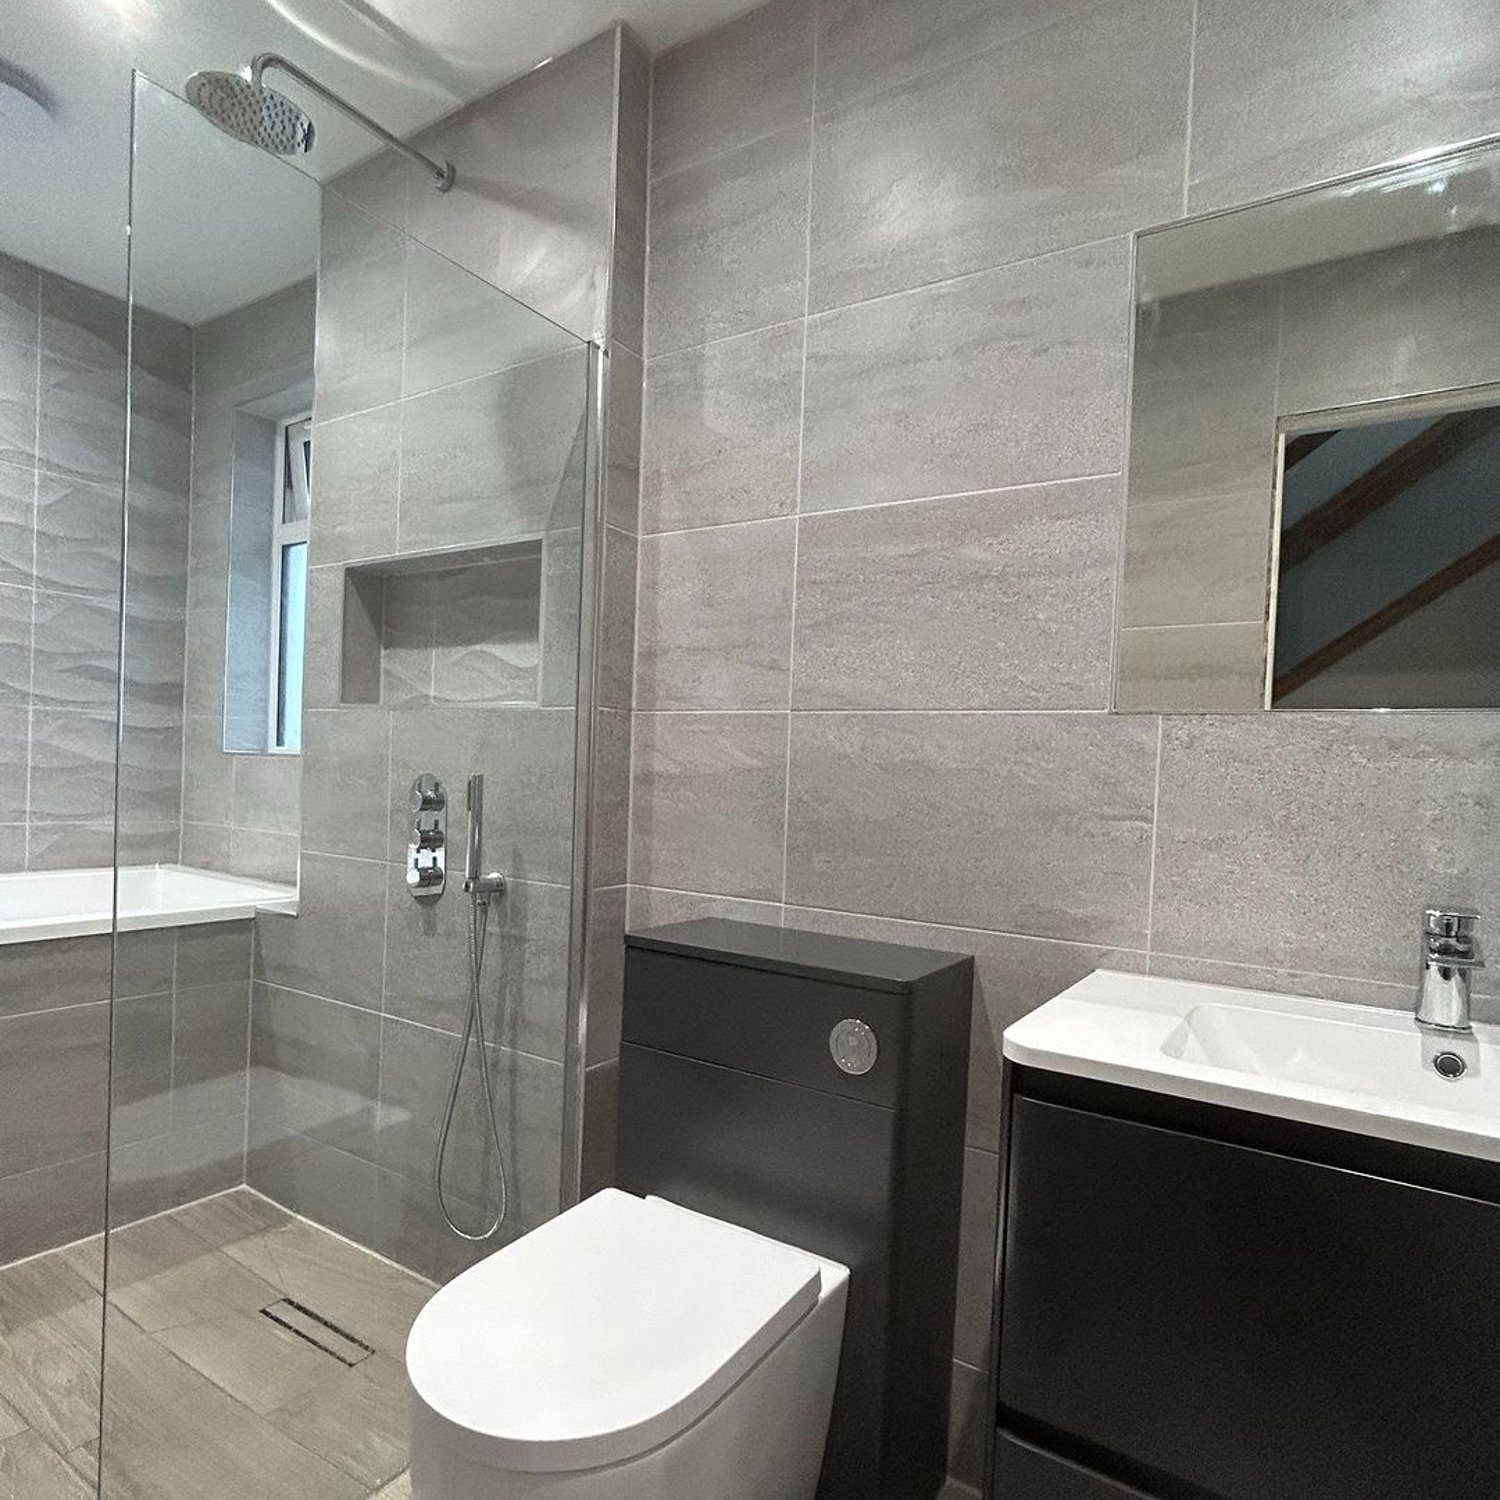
column 1259, row 1326
column 1023, row 1472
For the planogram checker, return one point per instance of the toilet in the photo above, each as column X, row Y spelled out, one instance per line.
column 761, row 1306
column 628, row 1350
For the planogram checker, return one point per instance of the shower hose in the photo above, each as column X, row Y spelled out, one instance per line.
column 479, row 916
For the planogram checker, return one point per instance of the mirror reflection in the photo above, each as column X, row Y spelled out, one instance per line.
column 1308, row 518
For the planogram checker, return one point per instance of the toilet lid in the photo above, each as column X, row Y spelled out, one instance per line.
column 603, row 1333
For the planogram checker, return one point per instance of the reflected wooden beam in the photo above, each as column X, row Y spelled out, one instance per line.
column 1304, row 445
column 1441, row 582
column 1426, row 453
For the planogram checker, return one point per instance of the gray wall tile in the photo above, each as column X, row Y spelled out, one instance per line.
column 902, row 392
column 708, row 803
column 530, row 208
column 494, row 458
column 1288, row 94
column 357, row 473
column 361, row 311
column 333, row 946
column 1024, row 170
column 1218, row 668
column 715, row 617
column 1072, row 792
column 729, row 243
column 733, row 84
column 1266, row 827
column 725, row 424
column 54, row 1086
column 1001, row 600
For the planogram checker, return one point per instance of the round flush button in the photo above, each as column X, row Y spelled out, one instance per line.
column 853, row 1046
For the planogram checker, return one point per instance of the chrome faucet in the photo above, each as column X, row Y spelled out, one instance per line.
column 1450, row 956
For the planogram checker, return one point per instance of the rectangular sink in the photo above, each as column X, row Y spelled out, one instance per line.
column 1349, row 1067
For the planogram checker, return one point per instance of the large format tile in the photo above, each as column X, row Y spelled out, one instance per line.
column 314, row 1072
column 356, row 1419
column 50, row 1206
column 78, row 534
column 530, row 209
column 210, row 1031
column 208, row 1443
column 526, row 969
column 345, row 768
column 708, row 803
column 526, row 756
column 714, row 628
column 866, row 46
column 416, row 1068
column 356, row 474
column 361, row 311
column 724, row 423
column 1313, row 841
column 53, row 1086
column 736, row 83
column 459, row 326
column 997, row 600
column 29, row 1467
column 1024, row 170
column 903, row 392
column 333, row 946
column 1027, row 823
column 1287, row 94
column 494, row 458
column 729, row 243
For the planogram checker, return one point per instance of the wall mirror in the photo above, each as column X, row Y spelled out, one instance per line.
column 1313, row 498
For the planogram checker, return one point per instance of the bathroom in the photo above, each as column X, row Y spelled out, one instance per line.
column 825, row 474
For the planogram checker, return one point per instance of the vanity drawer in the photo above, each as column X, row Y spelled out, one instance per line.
column 1023, row 1472
column 1254, row 1325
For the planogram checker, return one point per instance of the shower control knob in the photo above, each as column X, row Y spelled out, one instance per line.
column 427, row 795
column 853, row 1046
column 424, row 877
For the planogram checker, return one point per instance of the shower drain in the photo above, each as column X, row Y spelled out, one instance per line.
column 318, row 1331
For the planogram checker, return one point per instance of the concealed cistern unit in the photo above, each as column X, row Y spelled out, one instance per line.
column 1450, row 955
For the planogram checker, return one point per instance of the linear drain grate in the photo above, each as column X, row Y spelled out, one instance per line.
column 318, row 1331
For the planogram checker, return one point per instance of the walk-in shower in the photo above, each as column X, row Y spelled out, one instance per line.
column 259, row 1101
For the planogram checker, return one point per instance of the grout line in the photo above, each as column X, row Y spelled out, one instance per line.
column 874, row 505
column 1155, row 824
column 1187, row 145
column 866, row 713
column 1124, row 237
column 791, row 649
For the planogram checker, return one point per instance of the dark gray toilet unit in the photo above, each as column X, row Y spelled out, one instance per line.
column 812, row 1088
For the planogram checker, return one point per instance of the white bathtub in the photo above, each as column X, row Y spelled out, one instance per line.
column 43, row 904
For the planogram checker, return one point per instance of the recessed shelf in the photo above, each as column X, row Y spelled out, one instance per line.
column 450, row 627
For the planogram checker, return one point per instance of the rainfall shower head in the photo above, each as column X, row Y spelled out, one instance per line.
column 244, row 107
column 251, row 112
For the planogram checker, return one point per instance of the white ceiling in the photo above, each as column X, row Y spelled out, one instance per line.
column 63, row 192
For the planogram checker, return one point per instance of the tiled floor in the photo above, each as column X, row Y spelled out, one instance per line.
column 204, row 1396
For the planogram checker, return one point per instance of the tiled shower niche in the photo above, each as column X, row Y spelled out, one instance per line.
column 454, row 628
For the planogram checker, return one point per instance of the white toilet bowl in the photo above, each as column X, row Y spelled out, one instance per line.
column 628, row 1349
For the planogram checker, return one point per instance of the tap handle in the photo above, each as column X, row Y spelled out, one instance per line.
column 1452, row 923
column 1448, row 937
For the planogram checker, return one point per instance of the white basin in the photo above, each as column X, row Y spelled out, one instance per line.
column 1351, row 1067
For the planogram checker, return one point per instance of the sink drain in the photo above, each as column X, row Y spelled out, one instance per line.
column 1450, row 1065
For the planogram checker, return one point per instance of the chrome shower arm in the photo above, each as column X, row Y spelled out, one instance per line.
column 443, row 175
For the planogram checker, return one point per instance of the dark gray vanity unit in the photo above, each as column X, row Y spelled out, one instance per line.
column 812, row 1088
column 1205, row 1303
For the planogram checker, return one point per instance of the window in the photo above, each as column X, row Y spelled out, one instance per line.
column 289, row 582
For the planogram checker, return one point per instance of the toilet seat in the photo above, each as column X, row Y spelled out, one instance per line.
column 604, row 1333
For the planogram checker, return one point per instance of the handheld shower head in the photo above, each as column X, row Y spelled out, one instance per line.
column 251, row 112
column 245, row 108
